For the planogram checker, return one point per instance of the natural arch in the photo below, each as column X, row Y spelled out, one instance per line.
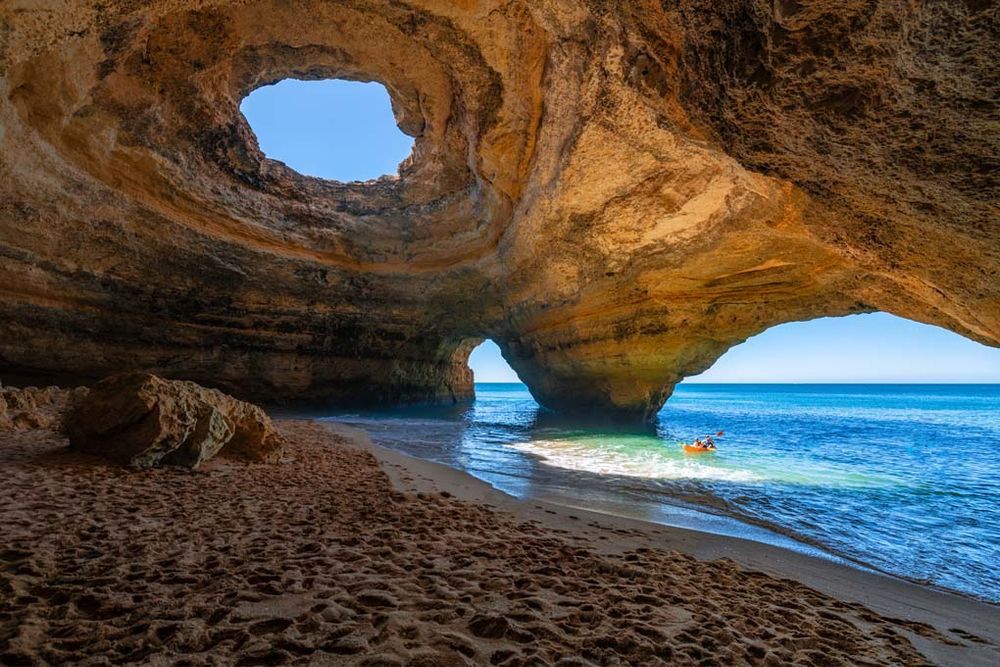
column 875, row 348
column 489, row 366
column 602, row 196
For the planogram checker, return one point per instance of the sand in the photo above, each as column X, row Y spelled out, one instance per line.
column 346, row 554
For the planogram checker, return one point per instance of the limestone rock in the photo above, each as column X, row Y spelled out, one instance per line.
column 33, row 407
column 617, row 193
column 141, row 420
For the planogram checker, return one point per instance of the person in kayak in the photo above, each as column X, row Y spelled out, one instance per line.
column 705, row 445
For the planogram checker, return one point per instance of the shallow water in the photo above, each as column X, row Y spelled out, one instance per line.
column 904, row 478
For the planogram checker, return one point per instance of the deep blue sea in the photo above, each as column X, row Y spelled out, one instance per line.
column 900, row 478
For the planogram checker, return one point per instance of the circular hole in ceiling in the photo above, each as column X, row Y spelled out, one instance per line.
column 334, row 129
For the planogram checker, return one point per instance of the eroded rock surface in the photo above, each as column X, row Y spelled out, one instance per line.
column 141, row 420
column 617, row 193
column 34, row 407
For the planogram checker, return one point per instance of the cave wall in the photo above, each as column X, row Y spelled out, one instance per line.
column 617, row 193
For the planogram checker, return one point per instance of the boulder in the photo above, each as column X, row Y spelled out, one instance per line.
column 141, row 420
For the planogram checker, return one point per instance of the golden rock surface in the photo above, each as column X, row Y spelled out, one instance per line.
column 617, row 193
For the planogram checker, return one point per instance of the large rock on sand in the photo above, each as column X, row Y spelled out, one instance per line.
column 142, row 420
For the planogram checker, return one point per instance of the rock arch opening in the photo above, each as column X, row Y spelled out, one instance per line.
column 868, row 348
column 333, row 129
column 489, row 366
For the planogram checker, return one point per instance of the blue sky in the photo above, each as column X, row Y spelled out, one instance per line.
column 861, row 348
column 345, row 130
column 342, row 130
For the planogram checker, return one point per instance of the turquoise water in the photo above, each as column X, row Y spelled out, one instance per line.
column 901, row 478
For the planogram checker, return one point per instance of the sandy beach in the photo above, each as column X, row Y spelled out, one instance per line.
column 345, row 553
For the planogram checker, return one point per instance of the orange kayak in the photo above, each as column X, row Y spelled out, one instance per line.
column 691, row 449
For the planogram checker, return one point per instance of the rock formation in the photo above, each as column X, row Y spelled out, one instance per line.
column 141, row 420
column 31, row 407
column 616, row 193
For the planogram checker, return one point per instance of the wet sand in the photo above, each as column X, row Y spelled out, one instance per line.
column 348, row 554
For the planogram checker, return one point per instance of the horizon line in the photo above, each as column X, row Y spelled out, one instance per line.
column 811, row 382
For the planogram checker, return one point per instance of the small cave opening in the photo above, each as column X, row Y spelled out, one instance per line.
column 489, row 366
column 332, row 129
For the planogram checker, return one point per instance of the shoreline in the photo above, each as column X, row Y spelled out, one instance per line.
column 906, row 508
column 343, row 553
column 882, row 592
column 772, row 535
column 682, row 514
column 732, row 525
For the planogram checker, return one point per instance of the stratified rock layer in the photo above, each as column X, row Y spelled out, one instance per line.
column 140, row 420
column 617, row 193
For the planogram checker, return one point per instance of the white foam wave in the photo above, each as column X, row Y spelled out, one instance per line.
column 644, row 464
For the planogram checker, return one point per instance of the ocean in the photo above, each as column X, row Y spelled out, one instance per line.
column 903, row 479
